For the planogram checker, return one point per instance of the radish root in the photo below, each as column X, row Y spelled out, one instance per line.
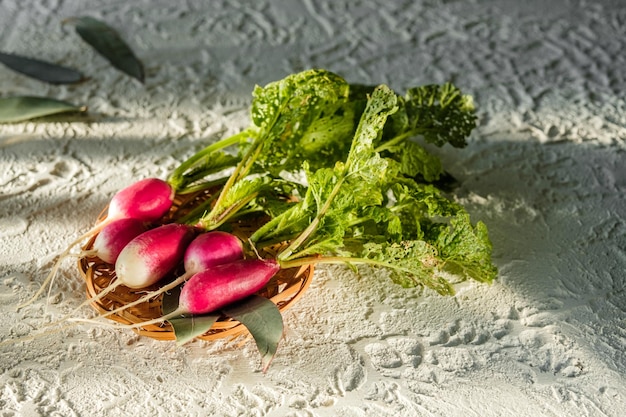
column 49, row 280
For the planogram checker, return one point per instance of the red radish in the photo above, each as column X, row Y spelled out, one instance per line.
column 114, row 237
column 224, row 284
column 210, row 249
column 205, row 251
column 152, row 255
column 147, row 200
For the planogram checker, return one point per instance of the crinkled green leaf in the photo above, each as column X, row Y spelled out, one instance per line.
column 411, row 263
column 41, row 70
column 328, row 138
column 186, row 328
column 362, row 157
column 285, row 109
column 424, row 199
column 108, row 43
column 289, row 223
column 466, row 249
column 333, row 192
column 415, row 162
column 278, row 197
column 263, row 320
column 17, row 109
column 441, row 113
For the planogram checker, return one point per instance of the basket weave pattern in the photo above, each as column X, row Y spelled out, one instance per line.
column 284, row 289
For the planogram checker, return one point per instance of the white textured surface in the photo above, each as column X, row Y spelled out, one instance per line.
column 545, row 170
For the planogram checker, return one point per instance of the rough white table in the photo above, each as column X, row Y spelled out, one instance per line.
column 545, row 170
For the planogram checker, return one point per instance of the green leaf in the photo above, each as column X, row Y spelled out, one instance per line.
column 264, row 322
column 108, row 43
column 211, row 164
column 415, row 162
column 287, row 224
column 41, row 70
column 411, row 263
column 362, row 156
column 465, row 249
column 334, row 192
column 441, row 113
column 186, row 328
column 233, row 200
column 284, row 111
column 327, row 139
column 20, row 108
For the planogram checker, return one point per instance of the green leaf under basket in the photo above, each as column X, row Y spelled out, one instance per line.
column 263, row 320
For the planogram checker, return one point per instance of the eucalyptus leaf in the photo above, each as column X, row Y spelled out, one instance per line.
column 108, row 43
column 20, row 108
column 41, row 70
column 186, row 328
column 264, row 322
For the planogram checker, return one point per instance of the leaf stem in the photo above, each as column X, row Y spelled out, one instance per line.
column 210, row 223
column 302, row 237
column 313, row 260
column 177, row 176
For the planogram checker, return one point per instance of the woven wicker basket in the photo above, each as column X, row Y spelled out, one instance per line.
column 284, row 289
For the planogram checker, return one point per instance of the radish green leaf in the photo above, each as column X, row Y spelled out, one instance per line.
column 264, row 322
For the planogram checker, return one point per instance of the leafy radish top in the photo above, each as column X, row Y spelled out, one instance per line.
column 372, row 192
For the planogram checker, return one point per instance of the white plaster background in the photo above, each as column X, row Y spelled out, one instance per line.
column 545, row 170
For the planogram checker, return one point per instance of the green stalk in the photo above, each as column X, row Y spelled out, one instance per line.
column 198, row 212
column 242, row 168
column 302, row 237
column 225, row 215
column 394, row 141
column 441, row 286
column 295, row 262
column 176, row 177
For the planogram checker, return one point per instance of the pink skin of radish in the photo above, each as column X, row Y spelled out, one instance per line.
column 224, row 284
column 205, row 251
column 149, row 257
column 210, row 249
column 114, row 237
column 147, row 200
